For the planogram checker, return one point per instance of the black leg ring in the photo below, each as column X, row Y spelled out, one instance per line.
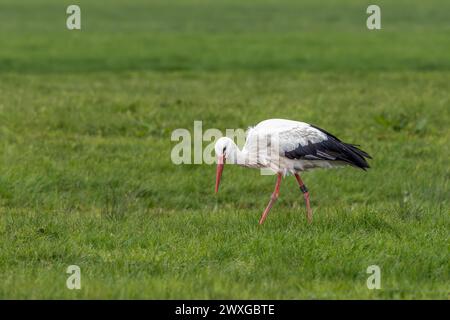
column 304, row 189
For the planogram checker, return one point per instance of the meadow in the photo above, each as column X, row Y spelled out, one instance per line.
column 86, row 176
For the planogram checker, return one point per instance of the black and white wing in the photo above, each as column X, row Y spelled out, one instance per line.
column 308, row 142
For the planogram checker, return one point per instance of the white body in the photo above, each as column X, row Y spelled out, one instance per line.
column 267, row 143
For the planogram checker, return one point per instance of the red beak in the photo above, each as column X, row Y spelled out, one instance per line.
column 220, row 163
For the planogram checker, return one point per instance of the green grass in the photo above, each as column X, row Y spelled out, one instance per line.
column 86, row 176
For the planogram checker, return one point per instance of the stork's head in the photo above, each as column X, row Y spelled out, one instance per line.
column 223, row 147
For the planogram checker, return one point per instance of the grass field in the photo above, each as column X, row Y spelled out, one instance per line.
column 86, row 177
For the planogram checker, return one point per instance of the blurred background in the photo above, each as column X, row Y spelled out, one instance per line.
column 86, row 176
column 224, row 35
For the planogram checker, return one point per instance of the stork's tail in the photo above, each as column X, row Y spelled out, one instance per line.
column 355, row 156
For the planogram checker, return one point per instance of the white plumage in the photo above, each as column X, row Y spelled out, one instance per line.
column 278, row 136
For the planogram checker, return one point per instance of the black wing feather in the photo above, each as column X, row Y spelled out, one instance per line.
column 331, row 149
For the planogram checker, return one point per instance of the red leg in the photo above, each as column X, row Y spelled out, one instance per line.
column 306, row 196
column 273, row 198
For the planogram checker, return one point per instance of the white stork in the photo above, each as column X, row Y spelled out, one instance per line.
column 288, row 147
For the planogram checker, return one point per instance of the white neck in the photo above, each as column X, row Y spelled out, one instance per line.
column 236, row 156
